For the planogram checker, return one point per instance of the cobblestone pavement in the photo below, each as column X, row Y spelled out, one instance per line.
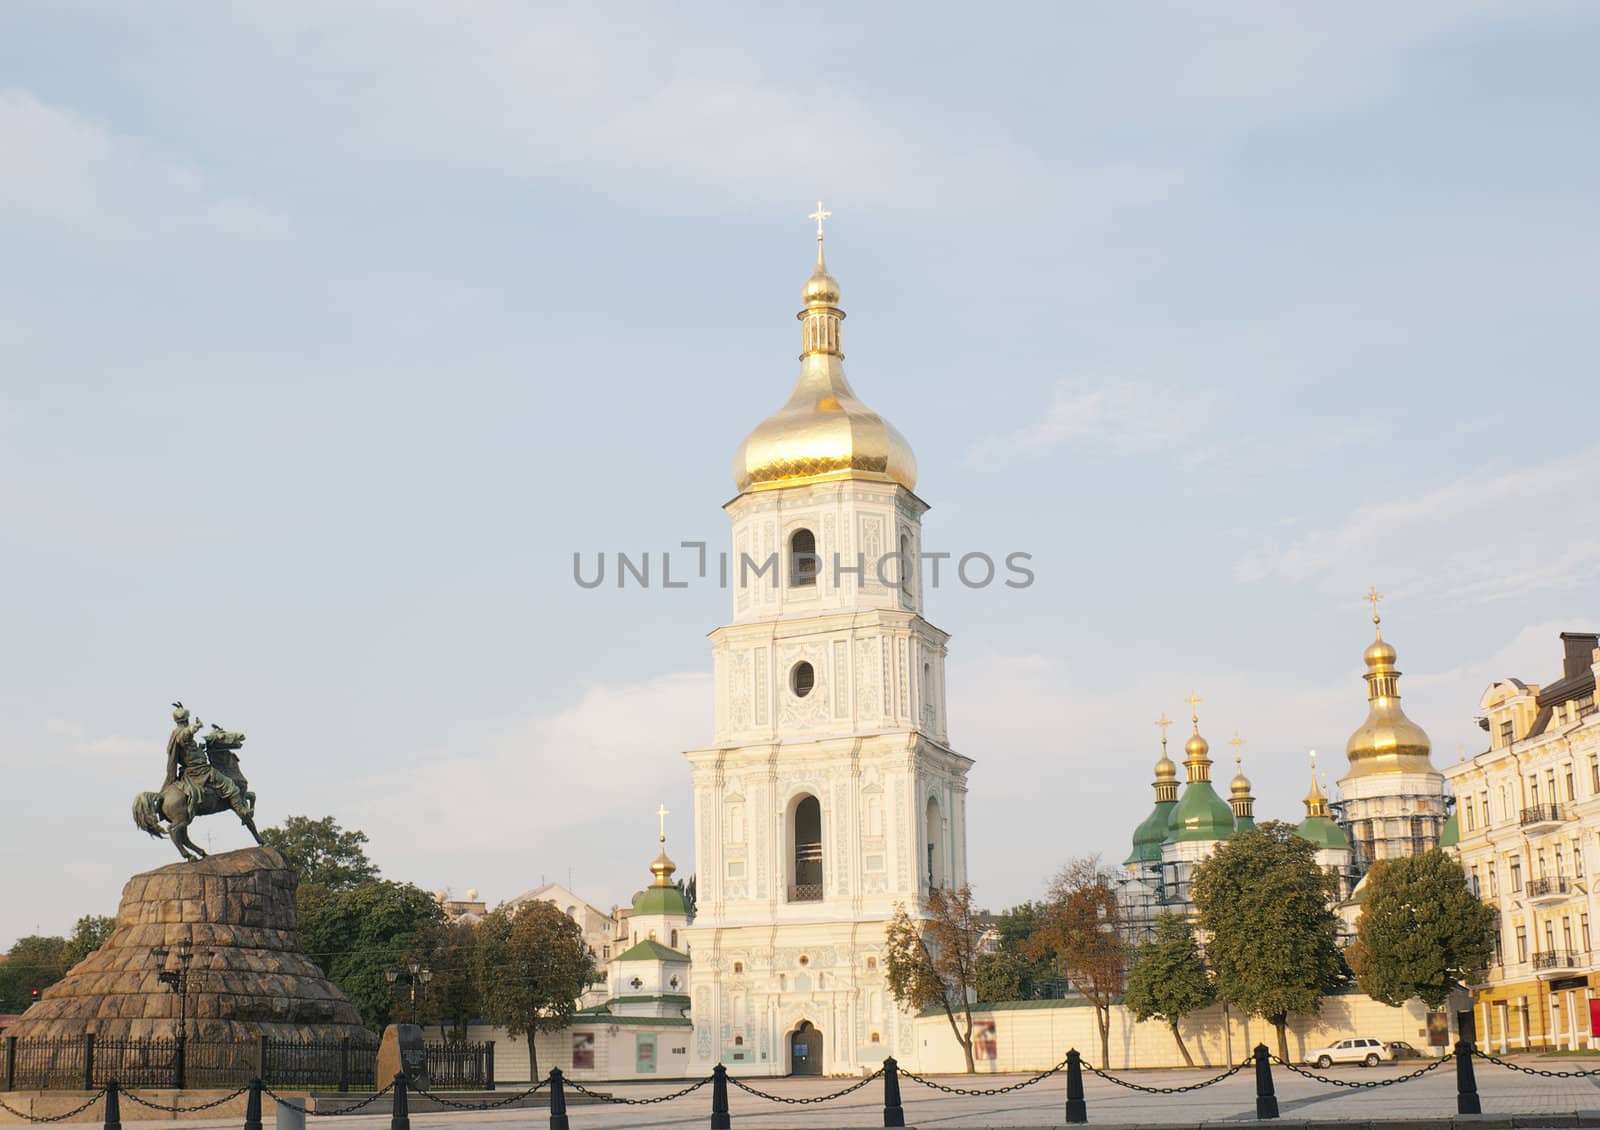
column 1432, row 1096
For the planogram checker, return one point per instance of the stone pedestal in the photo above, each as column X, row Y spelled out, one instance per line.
column 248, row 977
column 402, row 1049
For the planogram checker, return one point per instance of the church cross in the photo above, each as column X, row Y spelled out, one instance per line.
column 1163, row 722
column 1194, row 702
column 662, row 814
column 1373, row 596
column 819, row 215
column 1237, row 743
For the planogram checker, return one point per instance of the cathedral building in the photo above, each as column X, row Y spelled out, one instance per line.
column 830, row 792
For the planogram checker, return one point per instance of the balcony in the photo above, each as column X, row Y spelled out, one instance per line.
column 805, row 892
column 1548, row 891
column 1560, row 963
column 1541, row 818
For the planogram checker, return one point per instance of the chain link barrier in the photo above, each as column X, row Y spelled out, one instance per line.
column 292, row 1105
column 979, row 1092
column 455, row 1105
column 1143, row 1089
column 77, row 1110
column 601, row 1096
column 1540, row 1071
column 175, row 1109
column 789, row 1100
column 1366, row 1085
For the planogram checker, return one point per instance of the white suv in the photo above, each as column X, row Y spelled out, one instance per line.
column 1368, row 1053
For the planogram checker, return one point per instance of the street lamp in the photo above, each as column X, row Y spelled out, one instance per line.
column 178, row 981
column 419, row 973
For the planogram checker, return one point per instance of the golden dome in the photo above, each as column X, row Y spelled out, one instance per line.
column 662, row 868
column 1196, row 747
column 823, row 431
column 1388, row 741
column 1166, row 769
column 1240, row 785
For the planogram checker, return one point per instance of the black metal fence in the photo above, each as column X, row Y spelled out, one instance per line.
column 87, row 1063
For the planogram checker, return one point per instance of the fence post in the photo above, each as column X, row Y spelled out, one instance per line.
column 488, row 1064
column 113, row 1107
column 344, row 1064
column 181, row 1062
column 720, row 1119
column 88, row 1061
column 558, row 1101
column 261, row 1059
column 1467, row 1101
column 11, row 1063
column 1266, row 1097
column 893, row 1113
column 399, row 1116
column 252, row 1107
column 1077, row 1109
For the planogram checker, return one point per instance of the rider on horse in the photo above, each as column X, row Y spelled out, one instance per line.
column 191, row 769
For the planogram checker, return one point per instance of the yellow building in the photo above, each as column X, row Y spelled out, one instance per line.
column 1527, row 831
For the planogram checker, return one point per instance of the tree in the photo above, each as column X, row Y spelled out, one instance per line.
column 321, row 852
column 933, row 960
column 1265, row 903
column 447, row 950
column 1080, row 925
column 33, row 962
column 1036, row 979
column 1168, row 978
column 999, row 977
column 355, row 934
column 533, row 965
column 89, row 934
column 1421, row 929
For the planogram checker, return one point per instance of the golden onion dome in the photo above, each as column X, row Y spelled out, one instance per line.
column 1388, row 741
column 662, row 868
column 1240, row 785
column 1196, row 747
column 1166, row 769
column 824, row 431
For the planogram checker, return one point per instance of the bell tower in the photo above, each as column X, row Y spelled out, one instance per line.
column 830, row 792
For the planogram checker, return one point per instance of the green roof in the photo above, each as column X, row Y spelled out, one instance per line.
column 1200, row 814
column 1323, row 832
column 651, row 950
column 1147, row 837
column 600, row 1015
column 1243, row 823
column 1450, row 834
column 660, row 900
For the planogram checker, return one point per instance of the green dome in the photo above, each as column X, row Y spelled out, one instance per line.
column 1200, row 814
column 660, row 900
column 1323, row 832
column 1149, row 836
column 1450, row 834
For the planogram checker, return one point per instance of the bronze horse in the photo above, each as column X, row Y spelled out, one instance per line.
column 181, row 801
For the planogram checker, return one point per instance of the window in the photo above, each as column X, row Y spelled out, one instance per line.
column 1494, row 880
column 804, row 564
column 1577, row 858
column 1516, row 875
column 1472, row 822
column 1566, row 933
column 1583, row 929
column 738, row 1041
column 674, row 942
column 905, row 565
column 738, row 967
column 1476, row 889
column 802, row 678
column 1508, row 732
column 1584, row 705
column 806, row 822
column 1499, row 949
column 1549, row 937
column 736, row 869
column 935, row 830
column 1572, row 790
column 872, row 963
column 1533, row 792
column 1522, row 943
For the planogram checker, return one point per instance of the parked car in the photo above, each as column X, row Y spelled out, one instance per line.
column 1368, row 1053
column 1403, row 1050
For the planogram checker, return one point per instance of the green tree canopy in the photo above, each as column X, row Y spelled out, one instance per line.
column 88, row 935
column 1000, row 977
column 34, row 962
column 1036, row 978
column 1080, row 926
column 448, row 951
column 356, row 933
column 932, row 961
column 1266, row 906
column 321, row 852
column 1168, row 978
column 1421, row 930
column 533, row 965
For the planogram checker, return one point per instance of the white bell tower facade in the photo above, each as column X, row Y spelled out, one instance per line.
column 830, row 793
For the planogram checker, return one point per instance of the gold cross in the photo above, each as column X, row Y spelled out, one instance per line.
column 819, row 215
column 662, row 813
column 1373, row 596
column 1194, row 702
column 1163, row 722
column 1236, row 743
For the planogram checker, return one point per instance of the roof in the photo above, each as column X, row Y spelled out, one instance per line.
column 1323, row 833
column 651, row 950
column 600, row 1015
column 660, row 900
column 1200, row 814
column 1450, row 834
column 1147, row 837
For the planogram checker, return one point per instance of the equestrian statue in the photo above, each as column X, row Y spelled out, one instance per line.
column 203, row 777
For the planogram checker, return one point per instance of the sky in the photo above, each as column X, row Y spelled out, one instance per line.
column 329, row 334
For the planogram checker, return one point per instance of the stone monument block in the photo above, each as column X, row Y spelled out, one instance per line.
column 402, row 1050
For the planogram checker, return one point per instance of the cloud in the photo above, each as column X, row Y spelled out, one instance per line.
column 1483, row 537
column 62, row 169
column 1113, row 417
column 76, row 739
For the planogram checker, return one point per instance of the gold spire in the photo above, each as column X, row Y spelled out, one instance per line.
column 1388, row 741
column 663, row 867
column 1316, row 799
column 1196, row 749
column 1166, row 782
column 824, row 431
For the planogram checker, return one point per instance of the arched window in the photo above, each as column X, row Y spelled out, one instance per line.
column 738, row 967
column 935, row 831
column 804, row 564
column 905, row 564
column 806, row 831
column 674, row 942
column 802, row 679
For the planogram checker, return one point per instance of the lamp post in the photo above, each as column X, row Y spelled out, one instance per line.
column 178, row 981
column 419, row 974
